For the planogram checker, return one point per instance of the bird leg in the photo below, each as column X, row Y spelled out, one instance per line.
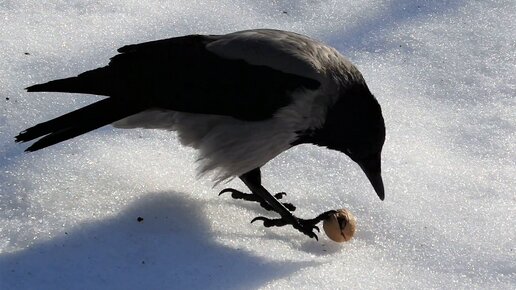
column 236, row 194
column 306, row 226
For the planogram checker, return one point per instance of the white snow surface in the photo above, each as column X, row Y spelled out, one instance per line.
column 443, row 71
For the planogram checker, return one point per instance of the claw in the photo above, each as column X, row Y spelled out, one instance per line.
column 236, row 194
column 226, row 190
column 310, row 233
column 306, row 227
column 259, row 218
column 267, row 222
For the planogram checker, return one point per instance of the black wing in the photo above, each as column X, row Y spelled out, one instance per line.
column 180, row 74
column 177, row 74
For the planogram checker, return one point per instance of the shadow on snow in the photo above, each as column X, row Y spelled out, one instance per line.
column 172, row 248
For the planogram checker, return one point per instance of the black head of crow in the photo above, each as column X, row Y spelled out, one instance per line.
column 240, row 99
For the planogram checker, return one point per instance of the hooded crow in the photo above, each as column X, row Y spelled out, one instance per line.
column 240, row 99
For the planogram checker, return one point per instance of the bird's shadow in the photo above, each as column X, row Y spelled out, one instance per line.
column 158, row 242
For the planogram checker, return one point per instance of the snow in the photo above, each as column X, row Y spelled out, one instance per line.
column 443, row 71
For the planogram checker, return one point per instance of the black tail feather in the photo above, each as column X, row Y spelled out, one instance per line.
column 56, row 137
column 61, row 122
column 98, row 82
column 76, row 123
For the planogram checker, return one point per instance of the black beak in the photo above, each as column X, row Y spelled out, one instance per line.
column 372, row 169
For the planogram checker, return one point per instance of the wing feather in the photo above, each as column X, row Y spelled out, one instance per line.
column 181, row 74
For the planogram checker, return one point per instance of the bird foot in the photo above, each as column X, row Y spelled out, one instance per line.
column 236, row 194
column 305, row 226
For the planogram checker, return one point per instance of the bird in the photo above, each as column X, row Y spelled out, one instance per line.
column 240, row 99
